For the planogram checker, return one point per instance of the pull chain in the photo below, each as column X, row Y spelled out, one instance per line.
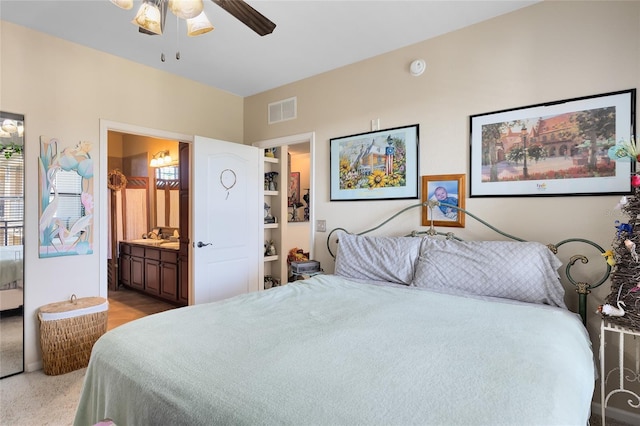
column 177, row 39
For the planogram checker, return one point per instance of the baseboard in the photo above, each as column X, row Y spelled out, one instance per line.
column 633, row 418
column 34, row 366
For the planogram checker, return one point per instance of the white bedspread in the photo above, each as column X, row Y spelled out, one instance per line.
column 327, row 351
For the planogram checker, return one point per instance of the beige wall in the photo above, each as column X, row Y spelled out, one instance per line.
column 549, row 51
column 64, row 90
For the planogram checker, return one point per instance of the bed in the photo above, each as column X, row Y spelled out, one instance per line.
column 11, row 273
column 408, row 330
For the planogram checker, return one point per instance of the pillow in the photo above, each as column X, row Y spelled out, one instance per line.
column 390, row 259
column 524, row 271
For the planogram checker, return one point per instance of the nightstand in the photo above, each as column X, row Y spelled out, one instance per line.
column 610, row 332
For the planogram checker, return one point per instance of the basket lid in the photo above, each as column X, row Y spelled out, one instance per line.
column 73, row 307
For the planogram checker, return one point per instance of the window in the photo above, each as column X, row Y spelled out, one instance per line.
column 167, row 173
column 11, row 199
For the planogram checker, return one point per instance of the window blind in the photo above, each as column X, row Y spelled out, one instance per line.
column 11, row 200
column 69, row 187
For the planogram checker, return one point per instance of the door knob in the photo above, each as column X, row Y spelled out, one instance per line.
column 201, row 244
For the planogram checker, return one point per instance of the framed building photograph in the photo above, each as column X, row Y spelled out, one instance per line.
column 447, row 191
column 378, row 165
column 557, row 148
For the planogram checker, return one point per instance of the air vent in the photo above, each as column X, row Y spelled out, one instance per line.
column 283, row 110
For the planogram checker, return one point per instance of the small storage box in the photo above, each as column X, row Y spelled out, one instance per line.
column 305, row 267
column 68, row 331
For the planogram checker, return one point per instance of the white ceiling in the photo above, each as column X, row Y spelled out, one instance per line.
column 311, row 37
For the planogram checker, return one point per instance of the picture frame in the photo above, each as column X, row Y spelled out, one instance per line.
column 293, row 192
column 449, row 189
column 547, row 150
column 378, row 165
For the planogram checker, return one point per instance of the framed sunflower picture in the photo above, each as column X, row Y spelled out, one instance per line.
column 380, row 165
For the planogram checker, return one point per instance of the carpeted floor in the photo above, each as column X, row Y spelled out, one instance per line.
column 10, row 344
column 32, row 399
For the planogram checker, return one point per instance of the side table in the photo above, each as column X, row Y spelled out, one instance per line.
column 624, row 374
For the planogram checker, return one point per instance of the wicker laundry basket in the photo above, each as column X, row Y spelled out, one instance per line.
column 68, row 331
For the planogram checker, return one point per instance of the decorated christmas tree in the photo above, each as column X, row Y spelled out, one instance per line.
column 622, row 305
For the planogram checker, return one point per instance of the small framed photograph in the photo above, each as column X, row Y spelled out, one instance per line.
column 380, row 165
column 556, row 148
column 445, row 189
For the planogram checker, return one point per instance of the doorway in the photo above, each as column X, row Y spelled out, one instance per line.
column 105, row 128
column 296, row 231
column 147, row 219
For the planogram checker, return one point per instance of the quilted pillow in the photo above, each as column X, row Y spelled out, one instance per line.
column 390, row 259
column 524, row 271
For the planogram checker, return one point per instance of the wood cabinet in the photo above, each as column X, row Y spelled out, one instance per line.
column 168, row 273
column 153, row 270
column 124, row 268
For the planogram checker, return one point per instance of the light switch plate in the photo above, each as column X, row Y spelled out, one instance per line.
column 321, row 225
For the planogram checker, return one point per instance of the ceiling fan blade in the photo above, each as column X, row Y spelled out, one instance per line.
column 247, row 15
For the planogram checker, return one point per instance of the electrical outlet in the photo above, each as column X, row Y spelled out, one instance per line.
column 321, row 225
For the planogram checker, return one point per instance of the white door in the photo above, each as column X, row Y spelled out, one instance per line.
column 227, row 212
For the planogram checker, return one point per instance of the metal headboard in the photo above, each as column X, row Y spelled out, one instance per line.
column 581, row 287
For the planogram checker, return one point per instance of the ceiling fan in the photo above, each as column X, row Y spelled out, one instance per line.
column 151, row 15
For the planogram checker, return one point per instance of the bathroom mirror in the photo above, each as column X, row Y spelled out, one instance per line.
column 11, row 244
column 167, row 197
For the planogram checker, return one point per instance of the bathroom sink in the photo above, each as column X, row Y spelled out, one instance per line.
column 148, row 241
column 171, row 245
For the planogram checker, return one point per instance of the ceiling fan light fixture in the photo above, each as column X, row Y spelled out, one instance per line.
column 148, row 17
column 10, row 126
column 186, row 9
column 198, row 25
column 123, row 4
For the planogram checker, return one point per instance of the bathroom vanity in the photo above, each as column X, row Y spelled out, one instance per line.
column 152, row 267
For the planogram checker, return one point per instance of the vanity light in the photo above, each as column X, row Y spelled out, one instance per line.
column 161, row 159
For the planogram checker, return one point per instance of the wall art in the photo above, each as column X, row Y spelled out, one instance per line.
column 65, row 199
column 378, row 165
column 556, row 148
column 446, row 189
